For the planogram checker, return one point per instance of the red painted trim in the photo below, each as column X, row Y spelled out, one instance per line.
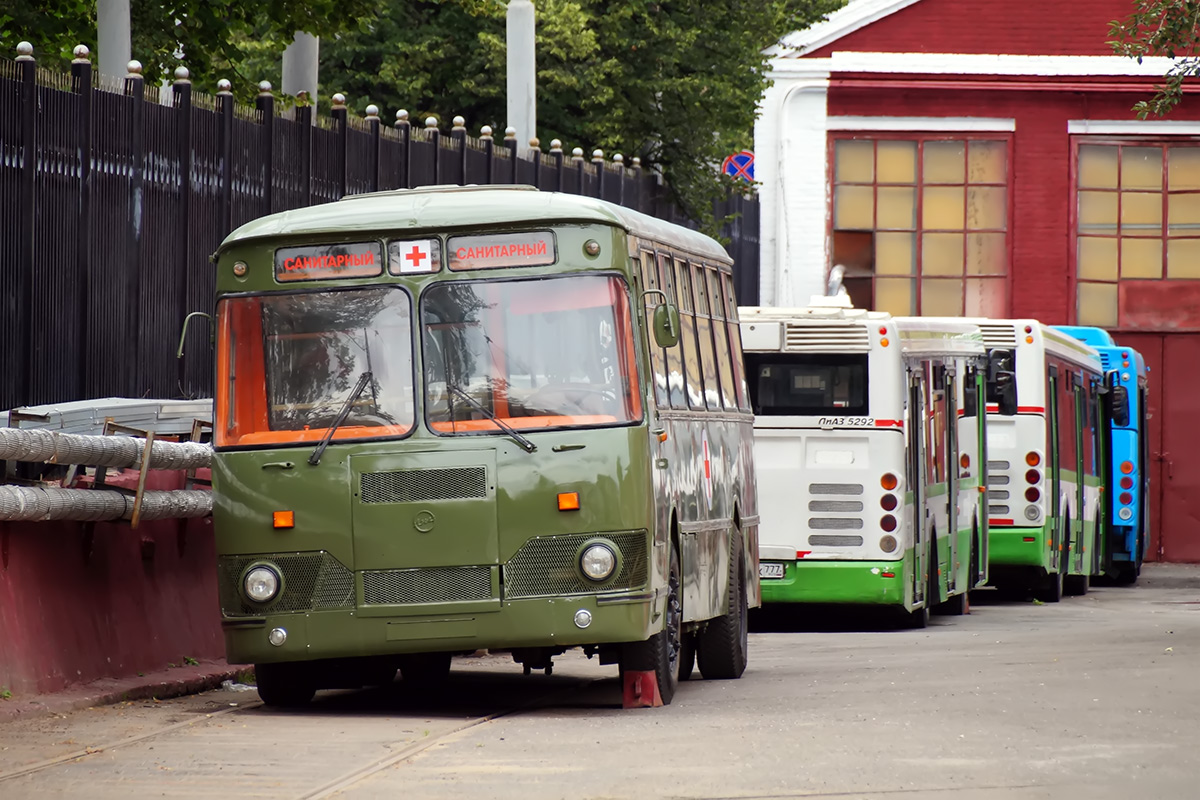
column 889, row 423
column 888, row 81
column 802, row 553
column 1031, row 410
column 1000, row 522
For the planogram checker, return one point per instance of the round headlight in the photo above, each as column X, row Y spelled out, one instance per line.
column 597, row 562
column 261, row 584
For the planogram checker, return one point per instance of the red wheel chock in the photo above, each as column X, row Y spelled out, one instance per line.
column 641, row 690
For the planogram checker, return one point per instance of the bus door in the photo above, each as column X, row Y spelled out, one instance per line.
column 1102, row 450
column 914, row 426
column 1053, row 467
column 951, row 468
column 1081, row 471
column 978, row 385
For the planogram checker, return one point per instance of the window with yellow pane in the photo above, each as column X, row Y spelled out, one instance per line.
column 1137, row 218
column 921, row 223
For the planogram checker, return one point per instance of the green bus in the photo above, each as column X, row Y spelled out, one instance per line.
column 460, row 418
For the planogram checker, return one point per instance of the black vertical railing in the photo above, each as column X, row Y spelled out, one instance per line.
column 142, row 184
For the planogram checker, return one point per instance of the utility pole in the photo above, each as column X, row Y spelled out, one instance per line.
column 522, row 74
column 112, row 28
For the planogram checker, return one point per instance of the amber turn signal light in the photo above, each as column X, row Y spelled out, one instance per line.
column 568, row 501
column 284, row 519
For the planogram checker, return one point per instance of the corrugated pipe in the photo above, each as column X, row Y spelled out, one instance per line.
column 39, row 444
column 31, row 504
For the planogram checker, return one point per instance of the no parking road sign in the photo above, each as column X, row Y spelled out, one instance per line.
column 739, row 165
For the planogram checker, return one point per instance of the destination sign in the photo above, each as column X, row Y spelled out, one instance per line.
column 493, row 251
column 414, row 257
column 328, row 262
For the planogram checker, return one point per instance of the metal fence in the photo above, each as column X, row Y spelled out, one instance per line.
column 114, row 194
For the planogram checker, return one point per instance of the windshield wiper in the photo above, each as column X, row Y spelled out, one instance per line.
column 526, row 445
column 363, row 380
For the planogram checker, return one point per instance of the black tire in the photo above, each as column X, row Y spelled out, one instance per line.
column 660, row 653
column 425, row 669
column 285, row 685
column 1051, row 590
column 723, row 647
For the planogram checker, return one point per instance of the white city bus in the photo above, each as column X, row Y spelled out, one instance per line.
column 1046, row 453
column 868, row 494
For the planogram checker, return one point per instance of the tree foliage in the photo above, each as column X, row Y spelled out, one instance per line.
column 673, row 82
column 1168, row 28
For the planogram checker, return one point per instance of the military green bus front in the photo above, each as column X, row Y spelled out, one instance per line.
column 428, row 444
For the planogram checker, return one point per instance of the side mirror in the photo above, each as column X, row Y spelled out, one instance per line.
column 1008, row 395
column 1002, row 380
column 1119, row 402
column 666, row 325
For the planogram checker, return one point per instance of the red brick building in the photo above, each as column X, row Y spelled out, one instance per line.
column 982, row 159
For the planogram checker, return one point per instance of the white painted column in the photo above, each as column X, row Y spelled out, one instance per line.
column 522, row 74
column 300, row 66
column 790, row 163
column 112, row 26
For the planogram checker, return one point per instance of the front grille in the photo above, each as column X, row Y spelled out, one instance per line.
column 834, row 540
column 835, row 505
column 311, row 582
column 436, row 585
column 827, row 338
column 835, row 524
column 548, row 566
column 421, row 485
column 835, row 488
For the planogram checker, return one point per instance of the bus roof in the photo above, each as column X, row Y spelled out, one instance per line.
column 817, row 313
column 445, row 208
column 1004, row 333
column 1096, row 337
column 930, row 336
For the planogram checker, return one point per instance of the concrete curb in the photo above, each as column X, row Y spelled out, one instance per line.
column 162, row 684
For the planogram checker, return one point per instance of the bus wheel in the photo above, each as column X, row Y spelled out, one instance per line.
column 424, row 669
column 1052, row 588
column 723, row 647
column 285, row 685
column 660, row 653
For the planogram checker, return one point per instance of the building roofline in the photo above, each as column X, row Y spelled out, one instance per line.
column 849, row 18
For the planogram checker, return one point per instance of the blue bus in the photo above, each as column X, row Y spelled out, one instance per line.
column 1129, row 481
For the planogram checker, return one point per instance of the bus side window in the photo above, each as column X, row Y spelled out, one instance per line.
column 721, row 336
column 735, row 342
column 658, row 363
column 693, row 370
column 704, row 335
column 675, row 387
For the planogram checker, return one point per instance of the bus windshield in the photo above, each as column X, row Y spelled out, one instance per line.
column 542, row 353
column 292, row 361
column 808, row 384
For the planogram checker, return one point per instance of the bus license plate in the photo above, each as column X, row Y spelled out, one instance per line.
column 770, row 569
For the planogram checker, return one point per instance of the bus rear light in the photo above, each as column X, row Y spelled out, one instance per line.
column 1028, row 539
column 1032, row 494
column 964, row 461
column 1029, row 329
column 1032, row 476
column 888, row 574
column 1028, row 340
column 1032, row 513
column 1127, row 467
column 888, row 544
column 1127, row 482
column 1033, row 459
column 888, row 481
column 1125, row 514
column 883, row 330
column 283, row 519
column 888, row 523
column 1126, row 498
column 568, row 501
column 888, row 502
column 883, row 342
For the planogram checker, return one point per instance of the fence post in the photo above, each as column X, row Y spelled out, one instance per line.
column 304, row 116
column 577, row 158
column 225, row 109
column 489, row 153
column 81, row 84
column 637, row 184
column 434, row 137
column 535, row 153
column 182, row 90
column 556, row 152
column 339, row 112
column 510, row 141
column 598, row 160
column 373, row 121
column 265, row 103
column 135, row 90
column 25, row 235
column 459, row 134
column 405, row 130
column 619, row 161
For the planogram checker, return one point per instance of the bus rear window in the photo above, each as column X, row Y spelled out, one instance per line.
column 808, row 384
